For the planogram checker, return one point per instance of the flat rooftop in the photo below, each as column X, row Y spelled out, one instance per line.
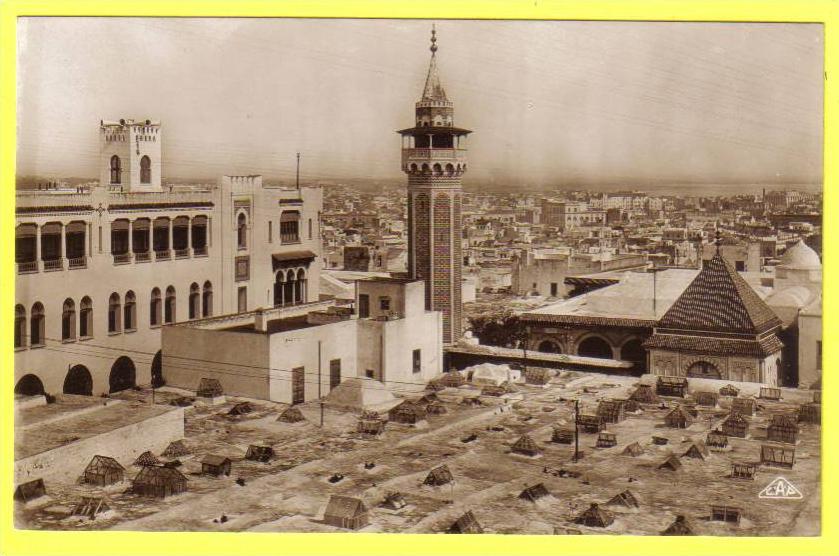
column 71, row 418
column 275, row 326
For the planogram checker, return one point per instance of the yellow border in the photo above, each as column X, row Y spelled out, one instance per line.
column 113, row 542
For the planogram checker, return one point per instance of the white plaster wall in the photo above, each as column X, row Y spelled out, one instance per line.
column 123, row 444
column 299, row 348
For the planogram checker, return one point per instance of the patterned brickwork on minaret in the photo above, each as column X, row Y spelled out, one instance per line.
column 434, row 157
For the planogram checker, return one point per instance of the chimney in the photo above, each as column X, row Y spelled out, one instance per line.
column 260, row 323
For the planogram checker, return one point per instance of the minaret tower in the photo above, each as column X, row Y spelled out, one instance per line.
column 434, row 157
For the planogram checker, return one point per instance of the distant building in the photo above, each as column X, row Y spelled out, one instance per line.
column 567, row 215
column 543, row 272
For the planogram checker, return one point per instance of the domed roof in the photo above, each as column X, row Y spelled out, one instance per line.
column 800, row 256
column 795, row 296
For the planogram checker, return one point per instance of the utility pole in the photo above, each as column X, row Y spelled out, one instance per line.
column 320, row 397
column 297, row 181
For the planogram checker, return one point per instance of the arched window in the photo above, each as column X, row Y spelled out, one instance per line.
column 20, row 326
column 549, row 346
column 68, row 320
column 169, row 315
column 114, row 310
column 155, row 308
column 130, row 310
column 145, row 169
column 194, row 301
column 300, row 290
column 242, row 231
column 36, row 325
column 207, row 300
column 116, row 170
column 86, row 318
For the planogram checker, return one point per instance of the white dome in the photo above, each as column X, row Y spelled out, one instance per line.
column 800, row 256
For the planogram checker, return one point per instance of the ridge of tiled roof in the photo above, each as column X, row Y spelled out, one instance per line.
column 719, row 299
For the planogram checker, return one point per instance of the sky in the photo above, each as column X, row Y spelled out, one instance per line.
column 550, row 103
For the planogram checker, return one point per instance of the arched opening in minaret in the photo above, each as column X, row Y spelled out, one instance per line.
column 449, row 169
column 425, row 169
column 437, row 169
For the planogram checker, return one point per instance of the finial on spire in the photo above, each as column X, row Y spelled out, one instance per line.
column 718, row 241
column 433, row 39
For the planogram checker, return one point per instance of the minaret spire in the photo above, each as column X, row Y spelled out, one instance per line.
column 433, row 89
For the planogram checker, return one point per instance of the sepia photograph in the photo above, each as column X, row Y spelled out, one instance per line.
column 510, row 277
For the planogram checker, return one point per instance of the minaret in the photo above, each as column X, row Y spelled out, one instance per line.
column 434, row 157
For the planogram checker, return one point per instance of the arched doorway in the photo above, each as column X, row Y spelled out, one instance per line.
column 157, row 370
column 595, row 346
column 703, row 369
column 633, row 351
column 548, row 346
column 123, row 375
column 78, row 381
column 29, row 385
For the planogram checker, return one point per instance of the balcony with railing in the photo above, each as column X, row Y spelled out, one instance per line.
column 199, row 251
column 53, row 265
column 163, row 255
column 122, row 258
column 182, row 253
column 27, row 267
column 424, row 155
column 142, row 257
column 77, row 262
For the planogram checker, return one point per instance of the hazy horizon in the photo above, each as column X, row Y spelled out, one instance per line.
column 573, row 104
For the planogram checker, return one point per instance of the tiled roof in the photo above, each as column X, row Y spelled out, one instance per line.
column 719, row 299
column 720, row 346
column 588, row 320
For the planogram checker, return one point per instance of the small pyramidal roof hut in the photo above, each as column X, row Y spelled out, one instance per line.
column 439, row 476
column 159, row 482
column 697, row 450
column 525, row 445
column 594, row 516
column 466, row 524
column 346, row 512
column 678, row 418
column 679, row 527
column 147, row 459
column 644, row 393
column 633, row 450
column 291, row 415
column 30, row 490
column 209, row 388
column 102, row 471
column 242, row 408
column 672, row 463
column 534, row 492
column 625, row 498
column 175, row 449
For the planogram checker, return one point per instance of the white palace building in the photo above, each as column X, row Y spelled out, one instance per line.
column 111, row 276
